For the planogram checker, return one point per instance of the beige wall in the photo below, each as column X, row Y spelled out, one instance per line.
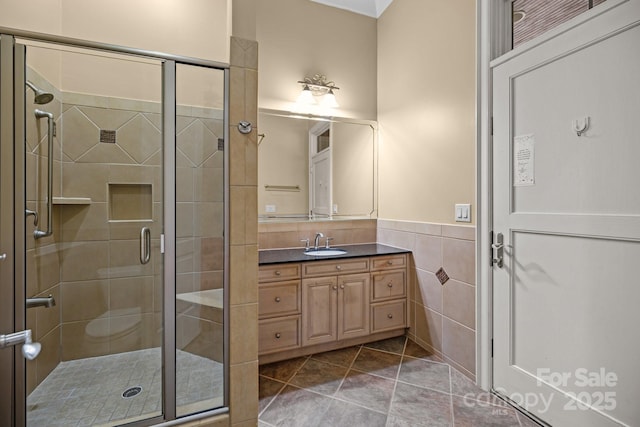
column 301, row 38
column 201, row 30
column 426, row 109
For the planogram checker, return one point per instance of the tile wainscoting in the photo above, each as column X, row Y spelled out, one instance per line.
column 281, row 235
column 442, row 317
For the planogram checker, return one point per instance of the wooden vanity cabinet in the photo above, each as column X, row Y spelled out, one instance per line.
column 389, row 293
column 279, row 308
column 335, row 308
column 339, row 303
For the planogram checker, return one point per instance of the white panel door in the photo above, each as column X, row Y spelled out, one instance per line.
column 321, row 183
column 566, row 300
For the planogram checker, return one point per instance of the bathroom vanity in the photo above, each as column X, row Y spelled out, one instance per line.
column 310, row 304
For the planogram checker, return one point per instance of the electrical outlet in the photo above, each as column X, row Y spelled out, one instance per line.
column 270, row 208
column 335, row 209
column 463, row 213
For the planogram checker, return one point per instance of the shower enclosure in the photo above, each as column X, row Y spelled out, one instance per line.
column 113, row 259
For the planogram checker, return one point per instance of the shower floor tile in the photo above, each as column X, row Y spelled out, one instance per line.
column 88, row 392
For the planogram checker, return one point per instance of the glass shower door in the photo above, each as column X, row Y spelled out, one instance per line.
column 94, row 219
column 200, row 244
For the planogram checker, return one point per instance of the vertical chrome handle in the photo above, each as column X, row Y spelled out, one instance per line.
column 50, row 123
column 145, row 245
column 498, row 250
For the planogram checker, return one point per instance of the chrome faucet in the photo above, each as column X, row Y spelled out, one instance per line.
column 41, row 302
column 316, row 242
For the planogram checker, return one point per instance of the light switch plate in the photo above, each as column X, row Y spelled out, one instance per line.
column 463, row 213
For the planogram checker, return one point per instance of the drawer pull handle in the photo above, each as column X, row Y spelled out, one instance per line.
column 390, row 284
column 389, row 262
column 278, row 335
column 277, row 299
column 390, row 316
column 338, row 267
column 277, row 272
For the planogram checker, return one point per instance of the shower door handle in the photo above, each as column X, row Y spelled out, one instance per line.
column 50, row 126
column 145, row 245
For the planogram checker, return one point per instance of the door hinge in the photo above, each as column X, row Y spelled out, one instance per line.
column 491, row 347
column 491, row 126
column 162, row 243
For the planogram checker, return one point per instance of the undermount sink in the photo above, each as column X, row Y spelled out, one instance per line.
column 325, row 252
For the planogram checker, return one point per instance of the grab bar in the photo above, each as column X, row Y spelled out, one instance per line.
column 39, row 233
column 145, row 245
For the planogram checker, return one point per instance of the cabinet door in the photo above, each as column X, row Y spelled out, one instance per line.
column 319, row 310
column 353, row 305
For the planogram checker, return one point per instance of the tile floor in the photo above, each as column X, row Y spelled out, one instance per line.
column 387, row 383
column 88, row 392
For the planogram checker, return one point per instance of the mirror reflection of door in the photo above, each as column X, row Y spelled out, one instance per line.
column 320, row 169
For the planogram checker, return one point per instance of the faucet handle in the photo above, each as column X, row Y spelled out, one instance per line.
column 326, row 245
column 306, row 244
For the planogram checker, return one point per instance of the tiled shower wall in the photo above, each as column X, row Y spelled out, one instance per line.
column 42, row 255
column 442, row 316
column 91, row 264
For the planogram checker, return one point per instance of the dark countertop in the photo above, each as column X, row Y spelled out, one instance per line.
column 278, row 256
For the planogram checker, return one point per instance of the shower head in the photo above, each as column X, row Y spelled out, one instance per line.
column 40, row 97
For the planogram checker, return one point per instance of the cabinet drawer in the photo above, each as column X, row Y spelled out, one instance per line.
column 271, row 273
column 326, row 268
column 279, row 298
column 388, row 261
column 386, row 285
column 278, row 334
column 388, row 315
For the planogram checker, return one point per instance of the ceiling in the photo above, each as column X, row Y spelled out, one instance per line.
column 373, row 8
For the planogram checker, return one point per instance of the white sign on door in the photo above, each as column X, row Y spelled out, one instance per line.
column 523, row 160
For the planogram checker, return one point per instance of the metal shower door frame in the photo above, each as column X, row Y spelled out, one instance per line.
column 13, row 221
column 12, row 228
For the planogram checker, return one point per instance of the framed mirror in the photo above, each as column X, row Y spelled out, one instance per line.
column 313, row 168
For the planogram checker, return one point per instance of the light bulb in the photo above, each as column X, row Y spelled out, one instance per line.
column 329, row 100
column 306, row 97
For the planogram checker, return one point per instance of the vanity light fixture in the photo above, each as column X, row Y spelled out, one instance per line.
column 318, row 87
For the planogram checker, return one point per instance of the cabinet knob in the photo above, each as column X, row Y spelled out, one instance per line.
column 389, row 262
column 335, row 288
column 277, row 273
column 341, row 286
column 278, row 335
column 390, row 284
column 338, row 267
column 390, row 316
column 277, row 299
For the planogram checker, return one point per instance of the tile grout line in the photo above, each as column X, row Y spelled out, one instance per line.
column 395, row 383
column 286, row 383
column 348, row 370
column 453, row 417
